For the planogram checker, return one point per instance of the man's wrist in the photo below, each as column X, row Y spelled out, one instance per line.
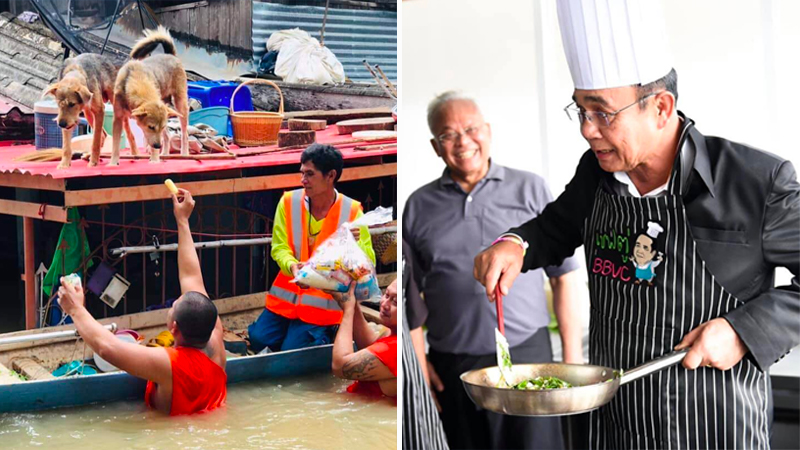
column 511, row 237
column 75, row 310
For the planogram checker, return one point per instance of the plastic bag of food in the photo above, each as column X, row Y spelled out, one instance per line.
column 339, row 260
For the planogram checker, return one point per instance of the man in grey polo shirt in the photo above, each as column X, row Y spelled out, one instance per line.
column 446, row 223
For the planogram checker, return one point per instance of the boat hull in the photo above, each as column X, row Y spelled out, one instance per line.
column 110, row 387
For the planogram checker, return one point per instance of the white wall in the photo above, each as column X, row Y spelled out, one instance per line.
column 737, row 62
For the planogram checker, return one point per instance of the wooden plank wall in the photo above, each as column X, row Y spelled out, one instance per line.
column 16, row 7
column 229, row 22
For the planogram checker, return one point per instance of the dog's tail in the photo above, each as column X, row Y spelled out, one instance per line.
column 151, row 40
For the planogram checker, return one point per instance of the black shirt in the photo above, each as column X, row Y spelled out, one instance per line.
column 743, row 207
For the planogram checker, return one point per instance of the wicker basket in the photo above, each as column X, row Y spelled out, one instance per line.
column 253, row 128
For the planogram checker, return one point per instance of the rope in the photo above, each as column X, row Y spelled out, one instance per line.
column 324, row 19
column 80, row 367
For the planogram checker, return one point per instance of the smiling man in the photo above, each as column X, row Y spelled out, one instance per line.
column 296, row 317
column 720, row 218
column 445, row 223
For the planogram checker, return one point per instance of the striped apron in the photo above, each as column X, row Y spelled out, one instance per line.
column 635, row 319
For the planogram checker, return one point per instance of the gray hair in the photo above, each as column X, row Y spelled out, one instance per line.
column 436, row 105
column 668, row 82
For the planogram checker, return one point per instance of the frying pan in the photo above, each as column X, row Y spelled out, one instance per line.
column 594, row 386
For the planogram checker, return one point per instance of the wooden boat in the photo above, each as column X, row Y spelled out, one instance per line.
column 18, row 395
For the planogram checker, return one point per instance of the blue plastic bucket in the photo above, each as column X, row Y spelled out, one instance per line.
column 218, row 93
column 216, row 117
column 47, row 132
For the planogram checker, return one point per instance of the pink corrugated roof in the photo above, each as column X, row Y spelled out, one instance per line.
column 79, row 169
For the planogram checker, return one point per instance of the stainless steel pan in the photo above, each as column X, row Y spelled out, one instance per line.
column 594, row 387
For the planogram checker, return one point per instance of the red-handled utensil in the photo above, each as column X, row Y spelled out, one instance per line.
column 499, row 303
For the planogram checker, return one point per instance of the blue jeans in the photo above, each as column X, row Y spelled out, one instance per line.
column 280, row 334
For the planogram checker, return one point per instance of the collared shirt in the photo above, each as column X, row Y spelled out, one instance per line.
column 623, row 178
column 446, row 228
column 743, row 208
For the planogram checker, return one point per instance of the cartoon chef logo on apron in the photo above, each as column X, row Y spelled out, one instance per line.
column 630, row 258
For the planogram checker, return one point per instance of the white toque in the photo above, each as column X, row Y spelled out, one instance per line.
column 614, row 43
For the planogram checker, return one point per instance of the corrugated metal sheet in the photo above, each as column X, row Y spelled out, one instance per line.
column 352, row 35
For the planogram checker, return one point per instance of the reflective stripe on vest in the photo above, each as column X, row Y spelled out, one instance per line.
column 344, row 211
column 297, row 222
column 319, row 302
column 283, row 294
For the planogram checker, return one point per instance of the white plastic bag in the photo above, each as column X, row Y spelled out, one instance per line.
column 277, row 39
column 339, row 260
column 301, row 59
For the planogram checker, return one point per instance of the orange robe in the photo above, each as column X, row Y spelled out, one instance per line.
column 198, row 383
column 385, row 349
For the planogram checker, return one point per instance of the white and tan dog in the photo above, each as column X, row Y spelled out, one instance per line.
column 84, row 83
column 142, row 86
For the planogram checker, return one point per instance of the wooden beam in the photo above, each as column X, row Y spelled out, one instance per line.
column 333, row 116
column 179, row 7
column 30, row 274
column 385, row 279
column 374, row 171
column 201, row 157
column 31, row 210
column 31, row 369
column 370, row 314
column 215, row 187
column 18, row 180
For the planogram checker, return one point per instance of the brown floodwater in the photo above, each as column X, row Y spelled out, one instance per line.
column 298, row 413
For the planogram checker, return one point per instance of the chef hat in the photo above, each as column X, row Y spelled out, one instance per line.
column 653, row 229
column 614, row 43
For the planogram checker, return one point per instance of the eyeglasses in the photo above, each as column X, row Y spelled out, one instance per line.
column 599, row 118
column 473, row 132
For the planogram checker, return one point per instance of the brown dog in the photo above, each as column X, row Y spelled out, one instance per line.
column 142, row 86
column 84, row 83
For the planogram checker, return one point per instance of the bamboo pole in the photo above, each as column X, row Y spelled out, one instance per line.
column 378, row 80
column 385, row 78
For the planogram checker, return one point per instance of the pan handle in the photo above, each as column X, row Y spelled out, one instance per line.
column 653, row 366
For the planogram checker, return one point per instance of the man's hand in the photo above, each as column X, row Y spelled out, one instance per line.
column 295, row 268
column 346, row 300
column 713, row 344
column 70, row 297
column 435, row 386
column 501, row 263
column 356, row 233
column 182, row 204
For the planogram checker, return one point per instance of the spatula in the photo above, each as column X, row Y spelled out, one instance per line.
column 503, row 353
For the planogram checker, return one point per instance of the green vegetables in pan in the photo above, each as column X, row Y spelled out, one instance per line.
column 542, row 383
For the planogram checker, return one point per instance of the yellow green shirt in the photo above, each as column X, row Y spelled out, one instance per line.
column 282, row 251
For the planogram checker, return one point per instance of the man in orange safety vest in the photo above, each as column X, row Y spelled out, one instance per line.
column 297, row 316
